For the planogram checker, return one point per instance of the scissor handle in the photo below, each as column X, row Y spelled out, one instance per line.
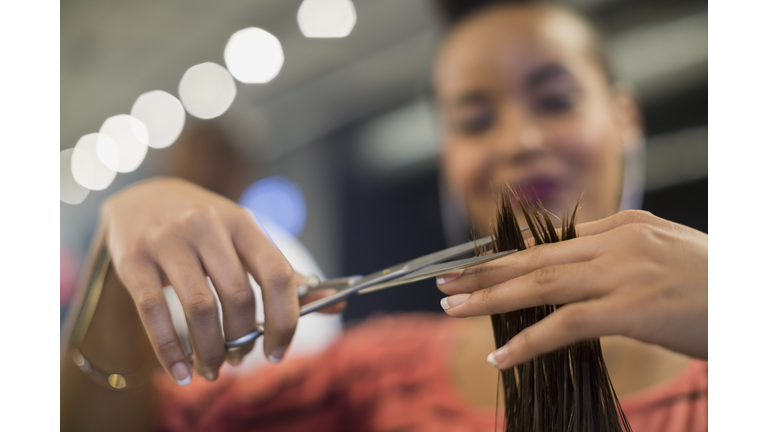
column 313, row 284
column 245, row 339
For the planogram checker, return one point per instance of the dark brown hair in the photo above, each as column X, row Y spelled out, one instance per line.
column 565, row 390
column 454, row 12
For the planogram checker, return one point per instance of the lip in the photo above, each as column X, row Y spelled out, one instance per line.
column 540, row 188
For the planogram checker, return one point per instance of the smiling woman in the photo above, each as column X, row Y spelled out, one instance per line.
column 526, row 99
column 533, row 107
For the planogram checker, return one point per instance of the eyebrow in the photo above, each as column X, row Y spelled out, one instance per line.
column 545, row 73
column 472, row 97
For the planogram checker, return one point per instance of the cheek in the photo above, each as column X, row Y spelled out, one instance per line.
column 591, row 150
column 463, row 166
column 587, row 145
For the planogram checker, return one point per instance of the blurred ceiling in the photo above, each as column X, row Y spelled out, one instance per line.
column 112, row 51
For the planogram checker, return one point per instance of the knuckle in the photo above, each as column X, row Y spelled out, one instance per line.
column 151, row 305
column 477, row 279
column 201, row 306
column 486, row 297
column 489, row 300
column 129, row 257
column 634, row 216
column 281, row 275
column 199, row 218
column 574, row 322
column 167, row 349
column 545, row 276
column 646, row 237
column 525, row 343
column 535, row 255
column 241, row 299
column 159, row 239
column 637, row 231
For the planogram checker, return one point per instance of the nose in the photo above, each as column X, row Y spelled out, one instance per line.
column 519, row 138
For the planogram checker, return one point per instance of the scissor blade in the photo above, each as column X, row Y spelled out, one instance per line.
column 436, row 270
column 397, row 271
column 444, row 255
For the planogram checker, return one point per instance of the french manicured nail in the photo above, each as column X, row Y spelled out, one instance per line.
column 453, row 301
column 303, row 290
column 211, row 375
column 277, row 354
column 443, row 279
column 498, row 356
column 181, row 373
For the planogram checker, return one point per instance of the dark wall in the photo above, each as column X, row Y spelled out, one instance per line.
column 387, row 223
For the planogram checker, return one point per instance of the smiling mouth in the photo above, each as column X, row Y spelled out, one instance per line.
column 540, row 189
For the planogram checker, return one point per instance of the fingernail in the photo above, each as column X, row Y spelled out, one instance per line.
column 181, row 373
column 443, row 279
column 453, row 301
column 303, row 290
column 234, row 361
column 211, row 375
column 277, row 354
column 497, row 356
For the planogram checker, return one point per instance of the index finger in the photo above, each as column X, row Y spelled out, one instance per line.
column 586, row 247
column 277, row 280
column 625, row 217
column 520, row 264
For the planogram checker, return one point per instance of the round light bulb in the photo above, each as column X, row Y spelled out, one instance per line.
column 71, row 191
column 326, row 18
column 254, row 56
column 87, row 169
column 207, row 90
column 130, row 137
column 164, row 116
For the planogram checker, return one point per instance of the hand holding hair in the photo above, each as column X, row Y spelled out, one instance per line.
column 630, row 274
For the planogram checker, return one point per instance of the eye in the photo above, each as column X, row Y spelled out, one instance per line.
column 558, row 103
column 476, row 122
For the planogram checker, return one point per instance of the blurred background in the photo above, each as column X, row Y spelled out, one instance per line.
column 342, row 144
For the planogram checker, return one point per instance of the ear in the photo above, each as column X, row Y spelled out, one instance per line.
column 630, row 119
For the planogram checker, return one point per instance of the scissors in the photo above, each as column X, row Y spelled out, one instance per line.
column 427, row 266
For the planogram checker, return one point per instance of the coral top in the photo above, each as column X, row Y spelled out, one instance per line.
column 387, row 374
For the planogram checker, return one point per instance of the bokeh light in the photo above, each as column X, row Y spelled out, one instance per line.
column 326, row 18
column 163, row 114
column 71, row 191
column 254, row 56
column 130, row 147
column 278, row 200
column 87, row 169
column 207, row 90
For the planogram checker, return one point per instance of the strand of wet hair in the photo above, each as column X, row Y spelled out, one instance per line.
column 566, row 390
